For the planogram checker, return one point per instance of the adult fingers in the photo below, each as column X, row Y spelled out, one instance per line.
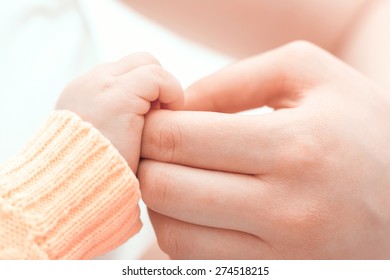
column 207, row 198
column 224, row 142
column 276, row 78
column 181, row 240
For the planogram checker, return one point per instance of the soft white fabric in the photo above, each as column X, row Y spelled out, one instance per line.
column 46, row 43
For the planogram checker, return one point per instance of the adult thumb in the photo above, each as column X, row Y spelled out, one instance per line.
column 275, row 79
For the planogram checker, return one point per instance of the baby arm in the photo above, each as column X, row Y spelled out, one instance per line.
column 70, row 194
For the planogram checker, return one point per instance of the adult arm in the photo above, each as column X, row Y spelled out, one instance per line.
column 366, row 46
column 248, row 27
column 355, row 31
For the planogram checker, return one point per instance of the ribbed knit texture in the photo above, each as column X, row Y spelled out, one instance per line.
column 67, row 195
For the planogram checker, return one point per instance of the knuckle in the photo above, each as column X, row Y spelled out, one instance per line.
column 308, row 217
column 169, row 241
column 304, row 150
column 300, row 51
column 300, row 47
column 307, row 153
column 169, row 140
column 305, row 221
column 312, row 146
column 154, row 182
column 292, row 58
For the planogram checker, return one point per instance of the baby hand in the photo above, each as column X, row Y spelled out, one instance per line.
column 115, row 97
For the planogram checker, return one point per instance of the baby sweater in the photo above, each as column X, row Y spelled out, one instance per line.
column 67, row 195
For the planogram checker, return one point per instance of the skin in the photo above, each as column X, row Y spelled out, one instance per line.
column 310, row 180
column 366, row 44
column 353, row 30
column 356, row 32
column 228, row 26
column 115, row 97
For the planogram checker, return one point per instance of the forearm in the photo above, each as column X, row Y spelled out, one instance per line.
column 248, row 27
column 366, row 46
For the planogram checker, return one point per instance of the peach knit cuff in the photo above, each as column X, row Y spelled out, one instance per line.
column 67, row 195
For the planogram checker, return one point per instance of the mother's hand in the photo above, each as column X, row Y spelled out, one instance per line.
column 310, row 180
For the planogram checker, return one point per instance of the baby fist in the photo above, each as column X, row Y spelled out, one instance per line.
column 115, row 97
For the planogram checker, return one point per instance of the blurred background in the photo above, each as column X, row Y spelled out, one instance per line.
column 46, row 43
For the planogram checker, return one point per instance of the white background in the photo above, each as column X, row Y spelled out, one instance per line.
column 46, row 43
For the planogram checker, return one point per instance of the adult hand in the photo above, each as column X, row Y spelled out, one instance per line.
column 310, row 180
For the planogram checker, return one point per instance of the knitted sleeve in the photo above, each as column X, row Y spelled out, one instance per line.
column 67, row 195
